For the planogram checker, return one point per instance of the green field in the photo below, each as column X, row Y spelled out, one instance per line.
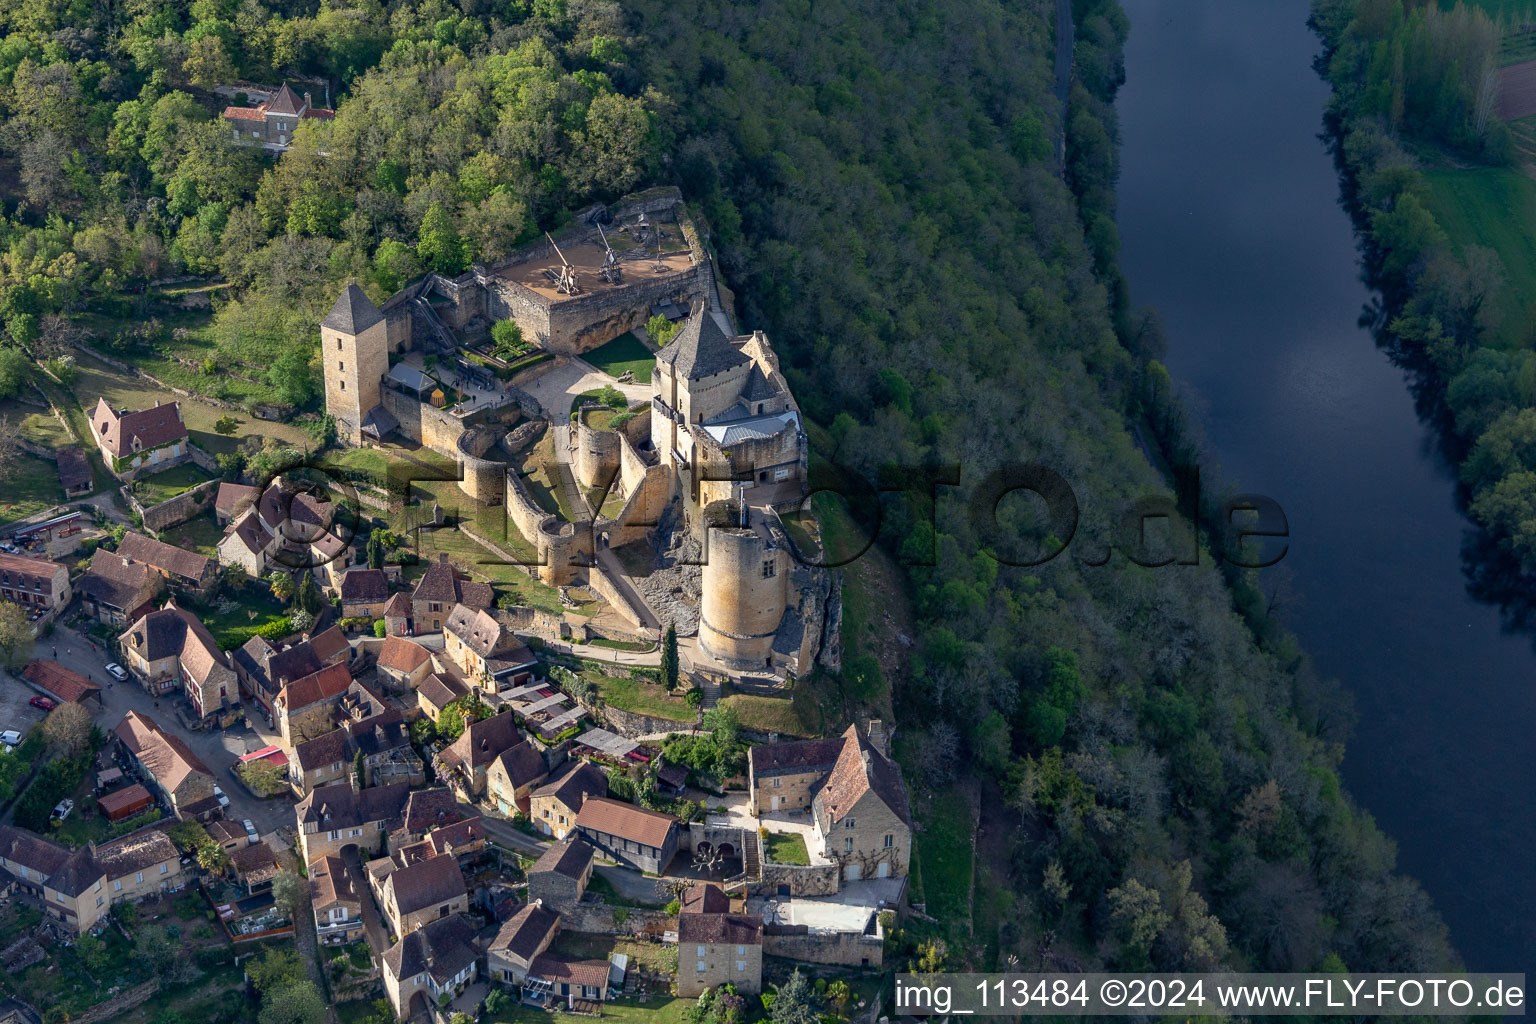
column 1493, row 207
column 39, row 426
column 786, row 848
column 768, row 714
column 943, row 848
column 31, row 486
column 640, row 696
column 624, row 353
column 165, row 485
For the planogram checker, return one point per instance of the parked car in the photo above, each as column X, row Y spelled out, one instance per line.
column 44, row 703
column 62, row 809
column 9, row 548
column 117, row 672
column 223, row 800
column 251, row 835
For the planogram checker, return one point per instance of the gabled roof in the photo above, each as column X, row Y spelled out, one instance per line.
column 719, row 930
column 573, row 784
column 285, row 102
column 364, row 585
column 591, row 973
column 625, row 821
column 402, row 655
column 861, row 769
column 233, row 497
column 353, row 313
column 478, row 630
column 329, row 644
column 255, row 862
column 123, row 799
column 329, row 682
column 77, row 874
column 383, row 732
column 526, row 932
column 440, row 691
column 705, row 898
column 482, row 742
column 441, row 948
column 164, row 755
column 569, row 858
column 427, row 882
column 701, row 349
column 31, row 850
column 338, row 805
column 522, row 764
column 74, row 468
column 163, row 557
column 139, row 849
column 795, row 757
column 432, row 808
column 446, row 585
column 451, row 840
column 152, row 427
column 64, row 683
column 330, row 882
column 250, row 531
column 322, row 750
column 119, row 582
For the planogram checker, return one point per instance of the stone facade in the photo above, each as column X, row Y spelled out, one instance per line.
column 354, row 345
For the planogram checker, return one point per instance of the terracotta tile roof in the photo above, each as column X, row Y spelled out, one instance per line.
column 222, row 831
column 189, row 565
column 442, row 949
column 152, row 427
column 319, row 113
column 445, row 584
column 526, row 932
column 340, row 806
column 285, row 102
column 569, row 858
column 74, row 468
column 330, row 882
column 482, row 742
column 625, row 821
column 244, row 114
column 164, row 755
column 705, row 899
column 64, row 683
column 427, row 882
column 591, row 973
column 398, row 607
column 119, row 582
column 432, row 808
column 322, row 750
column 329, row 682
column 796, row 757
column 719, row 930
column 233, row 498
column 860, row 769
column 255, row 863
column 453, row 839
column 573, row 784
column 113, row 803
column 523, row 764
column 329, row 644
column 78, row 873
column 364, row 585
column 402, row 655
column 440, row 692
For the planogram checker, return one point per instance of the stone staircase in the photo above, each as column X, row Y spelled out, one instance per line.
column 751, row 858
column 711, row 690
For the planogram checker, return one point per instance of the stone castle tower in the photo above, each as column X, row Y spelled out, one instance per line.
column 354, row 343
column 745, row 587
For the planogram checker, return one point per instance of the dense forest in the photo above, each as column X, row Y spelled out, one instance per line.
column 880, row 183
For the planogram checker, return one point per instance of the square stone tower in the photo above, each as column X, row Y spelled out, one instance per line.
column 354, row 343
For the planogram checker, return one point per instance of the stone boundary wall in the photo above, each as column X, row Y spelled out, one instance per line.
column 604, row 586
column 598, row 919
column 204, row 460
column 803, row 880
column 597, row 453
column 173, row 510
column 796, row 942
column 633, row 725
column 119, row 1004
column 554, row 538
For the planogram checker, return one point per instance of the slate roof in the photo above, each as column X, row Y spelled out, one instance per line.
column 353, row 313
column 441, row 948
column 432, row 808
column 155, row 426
column 482, row 742
column 796, row 757
column 427, row 882
column 409, row 376
column 364, row 585
column 569, row 858
column 74, row 468
column 322, row 750
column 705, row 899
column 523, row 764
column 860, row 769
column 251, row 532
column 701, row 349
column 31, row 850
column 758, row 387
column 401, row 655
column 164, row 755
column 163, row 557
column 573, row 784
column 719, row 930
column 380, row 422
column 445, row 584
column 625, row 821
column 64, row 683
column 381, row 733
column 524, row 933
column 338, row 805
column 119, row 582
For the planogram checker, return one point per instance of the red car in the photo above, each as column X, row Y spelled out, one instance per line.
column 44, row 703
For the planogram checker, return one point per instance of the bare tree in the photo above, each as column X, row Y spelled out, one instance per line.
column 68, row 729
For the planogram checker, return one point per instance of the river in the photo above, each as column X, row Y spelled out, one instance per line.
column 1231, row 225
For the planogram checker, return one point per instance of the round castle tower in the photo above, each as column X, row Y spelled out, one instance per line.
column 745, row 586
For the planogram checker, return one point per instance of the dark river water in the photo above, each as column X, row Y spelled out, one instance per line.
column 1231, row 223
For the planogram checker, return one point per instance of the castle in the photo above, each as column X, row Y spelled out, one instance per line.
column 711, row 461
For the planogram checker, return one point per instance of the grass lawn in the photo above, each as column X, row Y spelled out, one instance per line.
column 621, row 645
column 31, row 485
column 97, row 380
column 614, row 898
column 1493, row 207
column 541, row 475
column 787, row 848
column 624, row 353
column 640, row 696
column 165, row 485
column 768, row 714
column 232, row 628
column 35, row 425
column 200, row 534
column 944, row 848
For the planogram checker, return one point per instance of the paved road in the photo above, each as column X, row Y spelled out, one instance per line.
column 373, row 922
column 218, row 749
column 504, row 833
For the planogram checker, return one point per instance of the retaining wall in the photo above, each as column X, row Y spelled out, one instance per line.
column 796, row 942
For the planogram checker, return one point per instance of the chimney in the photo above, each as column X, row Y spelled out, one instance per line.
column 306, row 98
column 878, row 737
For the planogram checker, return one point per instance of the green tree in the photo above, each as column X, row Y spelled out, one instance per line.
column 395, row 265
column 508, row 339
column 375, row 551
column 793, row 1003
column 15, row 634
column 292, row 377
column 359, row 770
column 661, row 330
column 439, row 245
column 13, row 372
column 226, row 425
column 307, row 596
column 380, row 628
column 669, row 658
column 282, row 585
column 289, row 892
